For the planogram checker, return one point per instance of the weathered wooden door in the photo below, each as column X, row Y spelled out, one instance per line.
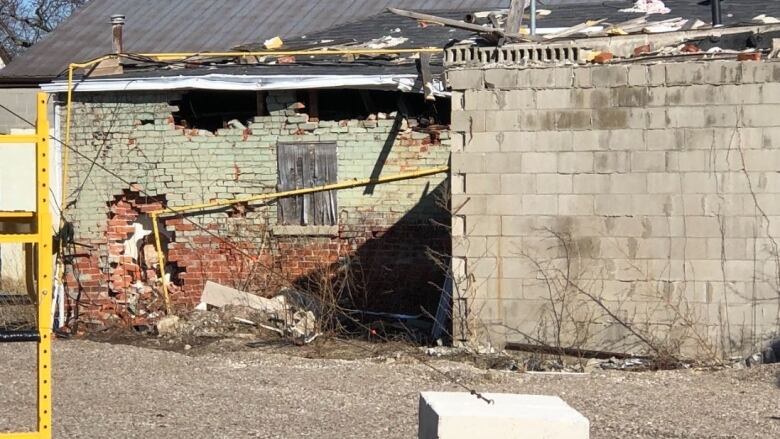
column 303, row 165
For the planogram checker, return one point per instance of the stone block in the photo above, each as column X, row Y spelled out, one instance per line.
column 450, row 415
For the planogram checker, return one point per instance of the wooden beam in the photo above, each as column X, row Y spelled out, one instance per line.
column 314, row 105
column 515, row 18
column 427, row 79
column 457, row 24
column 261, row 103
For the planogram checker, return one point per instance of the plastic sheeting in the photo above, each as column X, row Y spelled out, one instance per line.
column 405, row 83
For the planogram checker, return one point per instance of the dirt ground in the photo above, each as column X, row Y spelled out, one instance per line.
column 109, row 390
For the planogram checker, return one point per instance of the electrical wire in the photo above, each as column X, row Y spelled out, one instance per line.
column 93, row 163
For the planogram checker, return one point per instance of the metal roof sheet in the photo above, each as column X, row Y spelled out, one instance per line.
column 198, row 25
column 209, row 25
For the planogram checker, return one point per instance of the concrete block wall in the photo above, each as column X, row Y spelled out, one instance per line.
column 594, row 199
column 134, row 135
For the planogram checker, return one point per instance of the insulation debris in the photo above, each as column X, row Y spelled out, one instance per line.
column 277, row 314
column 385, row 42
column 648, row 7
column 273, row 43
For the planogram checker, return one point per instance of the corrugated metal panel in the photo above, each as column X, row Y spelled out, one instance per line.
column 198, row 25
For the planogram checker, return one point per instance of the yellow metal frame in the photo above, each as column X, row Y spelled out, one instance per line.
column 42, row 239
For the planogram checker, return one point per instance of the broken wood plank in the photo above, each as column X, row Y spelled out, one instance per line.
column 424, row 65
column 515, row 18
column 574, row 29
column 460, row 24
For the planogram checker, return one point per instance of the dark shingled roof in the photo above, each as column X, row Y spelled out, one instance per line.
column 210, row 25
column 197, row 25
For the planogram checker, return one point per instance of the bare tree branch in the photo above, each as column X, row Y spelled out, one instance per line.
column 24, row 22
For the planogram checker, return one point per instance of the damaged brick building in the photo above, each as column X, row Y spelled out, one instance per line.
column 172, row 138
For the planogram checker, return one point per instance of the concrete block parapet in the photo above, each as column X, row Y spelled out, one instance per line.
column 452, row 415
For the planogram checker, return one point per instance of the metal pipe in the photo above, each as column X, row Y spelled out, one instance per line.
column 716, row 14
column 265, row 197
column 533, row 17
column 117, row 25
column 19, row 336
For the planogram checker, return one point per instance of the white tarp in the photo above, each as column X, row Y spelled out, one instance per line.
column 405, row 83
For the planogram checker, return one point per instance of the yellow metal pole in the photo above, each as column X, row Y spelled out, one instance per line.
column 44, row 269
column 328, row 187
column 161, row 261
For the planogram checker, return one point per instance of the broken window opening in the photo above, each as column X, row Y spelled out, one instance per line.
column 341, row 104
column 211, row 110
column 303, row 165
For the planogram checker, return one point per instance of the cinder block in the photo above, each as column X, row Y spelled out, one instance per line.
column 450, row 415
column 539, row 162
column 610, row 162
column 483, row 184
column 575, row 205
column 518, row 141
column 465, row 79
column 501, row 78
column 760, row 115
column 643, row 161
column 609, row 76
column 553, row 98
column 503, row 162
column 575, row 162
column 627, row 183
column 554, row 183
column 540, row 204
column 519, row 183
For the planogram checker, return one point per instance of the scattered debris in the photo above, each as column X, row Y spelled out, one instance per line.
column 168, row 326
column 279, row 314
column 273, row 43
column 648, row 7
column 385, row 42
column 765, row 19
column 749, row 56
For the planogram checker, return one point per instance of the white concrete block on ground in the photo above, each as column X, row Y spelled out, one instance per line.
column 457, row 415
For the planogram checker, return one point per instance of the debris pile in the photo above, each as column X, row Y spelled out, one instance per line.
column 224, row 310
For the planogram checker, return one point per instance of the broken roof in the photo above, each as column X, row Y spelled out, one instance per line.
column 195, row 26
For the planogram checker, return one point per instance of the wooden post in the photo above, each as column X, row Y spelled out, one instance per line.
column 314, row 105
column 515, row 18
column 261, row 103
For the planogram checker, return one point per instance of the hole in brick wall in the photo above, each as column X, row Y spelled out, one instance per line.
column 133, row 260
column 146, row 121
column 212, row 110
column 343, row 104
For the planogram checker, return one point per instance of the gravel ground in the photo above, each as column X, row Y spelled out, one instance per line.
column 118, row 391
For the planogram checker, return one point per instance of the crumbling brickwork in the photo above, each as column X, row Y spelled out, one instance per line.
column 384, row 229
column 645, row 195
